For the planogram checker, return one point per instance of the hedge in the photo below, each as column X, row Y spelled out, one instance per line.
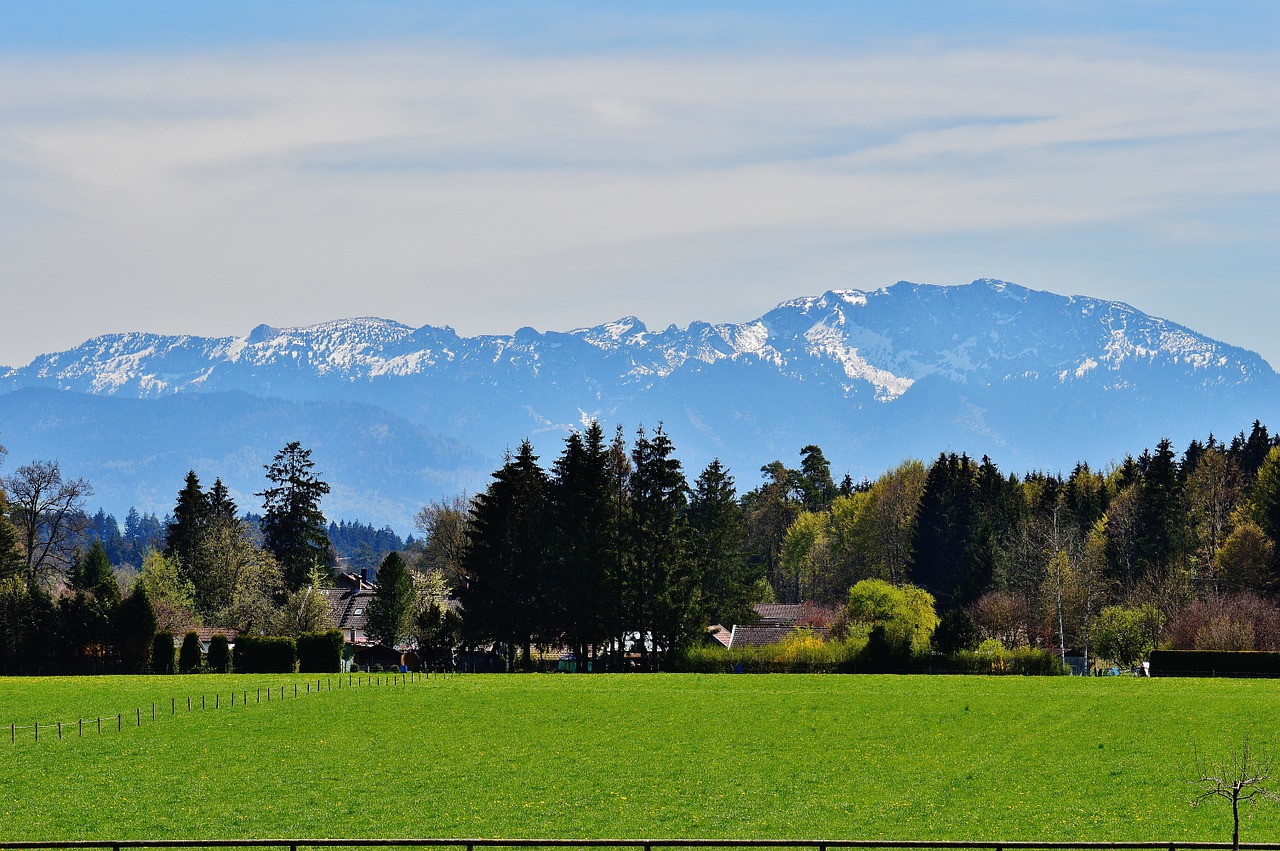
column 162, row 653
column 1215, row 663
column 270, row 654
column 189, row 657
column 219, row 657
column 320, row 652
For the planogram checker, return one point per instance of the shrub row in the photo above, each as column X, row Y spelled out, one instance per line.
column 867, row 657
column 311, row 653
column 1210, row 663
column 268, row 654
column 320, row 652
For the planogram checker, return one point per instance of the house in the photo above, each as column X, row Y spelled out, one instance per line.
column 349, row 605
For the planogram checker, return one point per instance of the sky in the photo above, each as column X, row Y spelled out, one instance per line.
column 202, row 168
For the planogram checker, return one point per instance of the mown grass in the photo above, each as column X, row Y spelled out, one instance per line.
column 661, row 756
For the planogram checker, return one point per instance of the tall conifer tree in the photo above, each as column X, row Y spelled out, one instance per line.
column 504, row 562
column 293, row 526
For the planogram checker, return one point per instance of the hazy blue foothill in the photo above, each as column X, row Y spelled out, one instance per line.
column 398, row 416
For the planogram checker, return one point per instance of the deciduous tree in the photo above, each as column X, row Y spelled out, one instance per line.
column 47, row 511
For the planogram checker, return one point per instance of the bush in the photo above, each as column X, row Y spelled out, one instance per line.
column 1026, row 661
column 320, row 652
column 189, row 655
column 219, row 654
column 162, row 653
column 270, row 654
column 956, row 631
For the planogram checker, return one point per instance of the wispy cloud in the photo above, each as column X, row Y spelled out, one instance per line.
column 490, row 190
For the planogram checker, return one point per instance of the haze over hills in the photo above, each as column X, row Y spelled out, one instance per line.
column 397, row 416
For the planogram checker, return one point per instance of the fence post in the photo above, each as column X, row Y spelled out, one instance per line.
column 173, row 706
column 153, row 710
column 13, row 733
column 119, row 722
column 188, row 703
column 99, row 725
column 82, row 728
column 202, row 703
column 217, row 701
column 37, row 731
column 59, row 731
column 139, row 716
column 295, row 689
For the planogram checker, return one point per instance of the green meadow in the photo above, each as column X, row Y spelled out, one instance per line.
column 661, row 756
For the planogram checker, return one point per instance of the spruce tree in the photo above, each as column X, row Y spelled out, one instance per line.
column 582, row 550
column 182, row 535
column 945, row 527
column 391, row 610
column 668, row 583
column 730, row 583
column 1162, row 516
column 220, row 504
column 505, row 563
column 92, row 574
column 293, row 526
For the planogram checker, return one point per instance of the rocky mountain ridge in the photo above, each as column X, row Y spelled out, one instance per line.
column 1034, row 379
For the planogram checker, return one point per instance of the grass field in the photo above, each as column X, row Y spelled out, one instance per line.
column 631, row 756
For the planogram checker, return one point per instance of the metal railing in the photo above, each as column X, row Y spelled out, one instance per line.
column 637, row 844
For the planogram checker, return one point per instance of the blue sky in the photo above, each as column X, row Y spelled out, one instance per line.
column 202, row 168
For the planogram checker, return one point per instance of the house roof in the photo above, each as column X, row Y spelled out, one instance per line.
column 792, row 614
column 779, row 613
column 349, row 606
column 205, row 634
column 757, row 635
column 719, row 634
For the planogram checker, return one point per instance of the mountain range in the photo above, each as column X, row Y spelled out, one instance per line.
column 396, row 416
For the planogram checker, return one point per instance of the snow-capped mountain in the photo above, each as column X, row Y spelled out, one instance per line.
column 1034, row 379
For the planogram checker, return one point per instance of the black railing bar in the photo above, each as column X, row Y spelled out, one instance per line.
column 294, row 844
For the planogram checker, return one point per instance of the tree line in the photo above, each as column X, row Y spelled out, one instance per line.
column 611, row 552
column 62, row 607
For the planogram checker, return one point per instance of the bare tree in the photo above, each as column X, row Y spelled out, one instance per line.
column 1240, row 778
column 47, row 512
column 444, row 526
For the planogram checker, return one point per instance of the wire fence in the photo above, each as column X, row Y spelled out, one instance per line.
column 100, row 724
column 636, row 844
